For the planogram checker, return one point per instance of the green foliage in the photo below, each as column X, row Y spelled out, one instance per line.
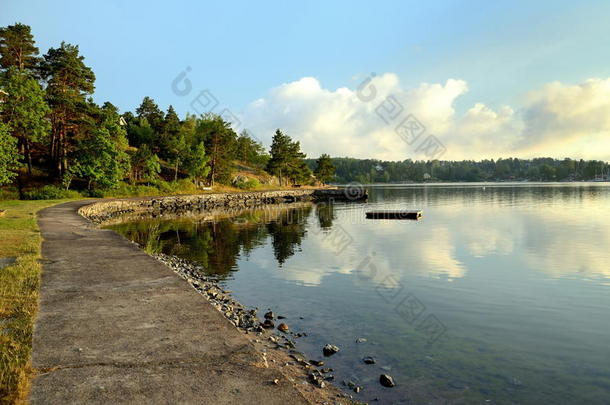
column 196, row 164
column 250, row 151
column 145, row 165
column 17, row 47
column 219, row 140
column 8, row 194
column 538, row 169
column 101, row 158
column 287, row 160
column 50, row 192
column 325, row 170
column 249, row 184
column 25, row 110
column 69, row 82
column 150, row 111
column 9, row 155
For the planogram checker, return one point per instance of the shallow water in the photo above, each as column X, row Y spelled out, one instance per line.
column 500, row 294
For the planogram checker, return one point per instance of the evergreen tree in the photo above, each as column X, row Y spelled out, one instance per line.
column 325, row 170
column 25, row 111
column 249, row 151
column 17, row 47
column 287, row 160
column 219, row 141
column 69, row 82
column 149, row 110
column 280, row 156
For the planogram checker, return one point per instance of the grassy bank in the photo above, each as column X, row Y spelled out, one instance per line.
column 19, row 286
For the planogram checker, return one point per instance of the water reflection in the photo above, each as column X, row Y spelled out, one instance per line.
column 217, row 245
column 517, row 273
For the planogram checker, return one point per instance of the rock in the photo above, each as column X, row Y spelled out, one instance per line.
column 317, row 363
column 269, row 315
column 317, row 380
column 369, row 360
column 386, row 380
column 361, row 340
column 357, row 389
column 268, row 324
column 283, row 327
column 281, row 317
column 329, row 350
column 350, row 384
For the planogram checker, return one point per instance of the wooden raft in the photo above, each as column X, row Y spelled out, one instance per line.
column 394, row 214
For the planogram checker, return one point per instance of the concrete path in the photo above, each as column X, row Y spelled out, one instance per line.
column 117, row 326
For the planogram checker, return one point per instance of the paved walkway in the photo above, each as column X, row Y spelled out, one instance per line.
column 117, row 326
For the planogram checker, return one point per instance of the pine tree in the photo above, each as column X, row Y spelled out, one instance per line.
column 280, row 156
column 149, row 110
column 325, row 170
column 219, row 140
column 17, row 47
column 287, row 161
column 69, row 82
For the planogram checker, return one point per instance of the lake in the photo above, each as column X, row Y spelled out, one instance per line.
column 500, row 294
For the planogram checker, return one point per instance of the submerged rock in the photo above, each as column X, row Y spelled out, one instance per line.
column 283, row 327
column 369, row 360
column 329, row 350
column 386, row 380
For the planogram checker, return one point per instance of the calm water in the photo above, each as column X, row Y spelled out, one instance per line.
column 500, row 294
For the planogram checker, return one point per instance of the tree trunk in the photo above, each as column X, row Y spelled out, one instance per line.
column 28, row 156
column 176, row 171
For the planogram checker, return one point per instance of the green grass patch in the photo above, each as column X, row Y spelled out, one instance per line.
column 19, row 289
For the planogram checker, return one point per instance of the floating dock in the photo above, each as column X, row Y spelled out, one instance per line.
column 394, row 214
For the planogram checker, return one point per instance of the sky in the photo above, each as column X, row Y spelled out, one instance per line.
column 390, row 80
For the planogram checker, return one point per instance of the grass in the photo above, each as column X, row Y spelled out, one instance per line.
column 19, row 288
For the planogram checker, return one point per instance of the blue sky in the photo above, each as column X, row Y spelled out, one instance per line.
column 242, row 50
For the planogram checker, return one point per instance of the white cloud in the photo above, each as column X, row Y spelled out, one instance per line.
column 556, row 120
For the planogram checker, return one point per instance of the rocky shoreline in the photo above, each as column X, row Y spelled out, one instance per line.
column 278, row 349
column 103, row 211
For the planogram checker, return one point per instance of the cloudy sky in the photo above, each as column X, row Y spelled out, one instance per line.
column 383, row 79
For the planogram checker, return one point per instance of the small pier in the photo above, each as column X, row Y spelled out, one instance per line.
column 394, row 214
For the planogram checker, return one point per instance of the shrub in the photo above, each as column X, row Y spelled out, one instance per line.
column 50, row 192
column 9, row 194
column 247, row 184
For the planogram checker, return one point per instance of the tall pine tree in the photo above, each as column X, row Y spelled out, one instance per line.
column 69, row 82
column 17, row 47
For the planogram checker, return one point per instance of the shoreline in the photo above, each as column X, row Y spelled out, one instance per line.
column 102, row 211
column 278, row 349
column 116, row 325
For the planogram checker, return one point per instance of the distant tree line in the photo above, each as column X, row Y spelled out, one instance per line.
column 51, row 130
column 538, row 169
